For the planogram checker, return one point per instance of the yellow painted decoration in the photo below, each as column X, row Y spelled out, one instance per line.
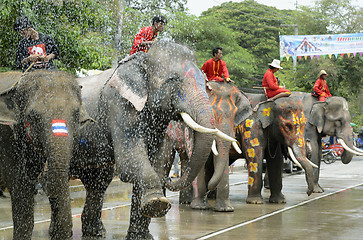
column 249, row 123
column 302, row 119
column 266, row 112
column 301, row 142
column 255, row 142
column 247, row 134
column 298, row 130
column 253, row 167
column 251, row 152
column 295, row 118
column 251, row 180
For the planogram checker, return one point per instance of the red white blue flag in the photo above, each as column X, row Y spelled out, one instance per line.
column 59, row 128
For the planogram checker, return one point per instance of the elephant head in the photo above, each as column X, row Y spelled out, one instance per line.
column 163, row 85
column 44, row 110
column 284, row 121
column 332, row 118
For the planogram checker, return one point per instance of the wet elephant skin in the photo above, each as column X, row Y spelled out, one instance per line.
column 46, row 119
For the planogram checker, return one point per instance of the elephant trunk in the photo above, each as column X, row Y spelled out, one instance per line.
column 220, row 163
column 348, row 152
column 58, row 187
column 202, row 142
column 300, row 155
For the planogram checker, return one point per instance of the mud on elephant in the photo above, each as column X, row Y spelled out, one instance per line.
column 274, row 130
column 40, row 119
column 330, row 118
column 133, row 105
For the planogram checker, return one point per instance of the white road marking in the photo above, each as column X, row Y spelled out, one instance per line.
column 274, row 213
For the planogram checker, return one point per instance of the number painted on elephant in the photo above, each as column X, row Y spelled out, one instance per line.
column 249, row 123
column 251, row 180
column 59, row 128
column 255, row 142
column 253, row 167
column 251, row 152
column 266, row 112
column 28, row 130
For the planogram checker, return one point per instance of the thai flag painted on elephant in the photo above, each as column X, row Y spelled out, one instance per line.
column 59, row 128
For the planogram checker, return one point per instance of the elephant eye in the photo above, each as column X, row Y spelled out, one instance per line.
column 289, row 126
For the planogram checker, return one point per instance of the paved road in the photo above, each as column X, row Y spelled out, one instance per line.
column 335, row 214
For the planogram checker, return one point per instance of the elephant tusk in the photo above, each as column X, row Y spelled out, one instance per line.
column 312, row 164
column 236, row 147
column 214, row 148
column 195, row 126
column 357, row 149
column 294, row 158
column 345, row 146
column 224, row 136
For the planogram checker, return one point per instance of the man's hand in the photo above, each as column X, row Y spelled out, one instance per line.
column 229, row 80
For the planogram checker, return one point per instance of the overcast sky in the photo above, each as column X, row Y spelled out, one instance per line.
column 196, row 7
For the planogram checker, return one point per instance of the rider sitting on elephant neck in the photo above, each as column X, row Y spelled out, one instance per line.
column 215, row 67
column 321, row 89
column 146, row 36
column 270, row 84
column 35, row 47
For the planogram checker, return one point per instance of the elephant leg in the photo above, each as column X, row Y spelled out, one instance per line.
column 274, row 168
column 255, row 180
column 22, row 203
column 139, row 224
column 223, row 204
column 185, row 195
column 199, row 192
column 134, row 166
column 96, row 182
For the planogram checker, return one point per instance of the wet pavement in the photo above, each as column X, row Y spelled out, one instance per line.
column 335, row 214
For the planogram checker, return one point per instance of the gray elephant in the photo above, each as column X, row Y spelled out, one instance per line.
column 230, row 107
column 133, row 105
column 275, row 130
column 39, row 119
column 331, row 118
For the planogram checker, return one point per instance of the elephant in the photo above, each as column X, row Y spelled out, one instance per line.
column 331, row 118
column 132, row 106
column 40, row 118
column 273, row 130
column 230, row 107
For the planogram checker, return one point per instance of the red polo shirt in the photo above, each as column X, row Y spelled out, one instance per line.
column 215, row 69
column 145, row 34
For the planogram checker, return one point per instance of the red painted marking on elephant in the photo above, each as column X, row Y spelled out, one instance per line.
column 28, row 130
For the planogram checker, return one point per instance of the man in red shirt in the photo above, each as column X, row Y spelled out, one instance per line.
column 321, row 87
column 146, row 36
column 215, row 67
column 270, row 84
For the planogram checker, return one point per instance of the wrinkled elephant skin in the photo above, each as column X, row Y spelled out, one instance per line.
column 133, row 105
column 268, row 133
column 330, row 118
column 44, row 115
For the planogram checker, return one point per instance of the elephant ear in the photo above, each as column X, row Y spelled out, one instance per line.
column 317, row 115
column 265, row 113
column 244, row 108
column 7, row 110
column 130, row 80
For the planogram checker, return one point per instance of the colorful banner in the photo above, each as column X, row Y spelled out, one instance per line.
column 320, row 45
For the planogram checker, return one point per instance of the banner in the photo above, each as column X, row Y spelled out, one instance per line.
column 320, row 45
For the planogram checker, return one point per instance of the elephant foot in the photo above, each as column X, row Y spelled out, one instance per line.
column 154, row 205
column 318, row 189
column 200, row 204
column 94, row 229
column 254, row 200
column 223, row 206
column 139, row 236
column 277, row 198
